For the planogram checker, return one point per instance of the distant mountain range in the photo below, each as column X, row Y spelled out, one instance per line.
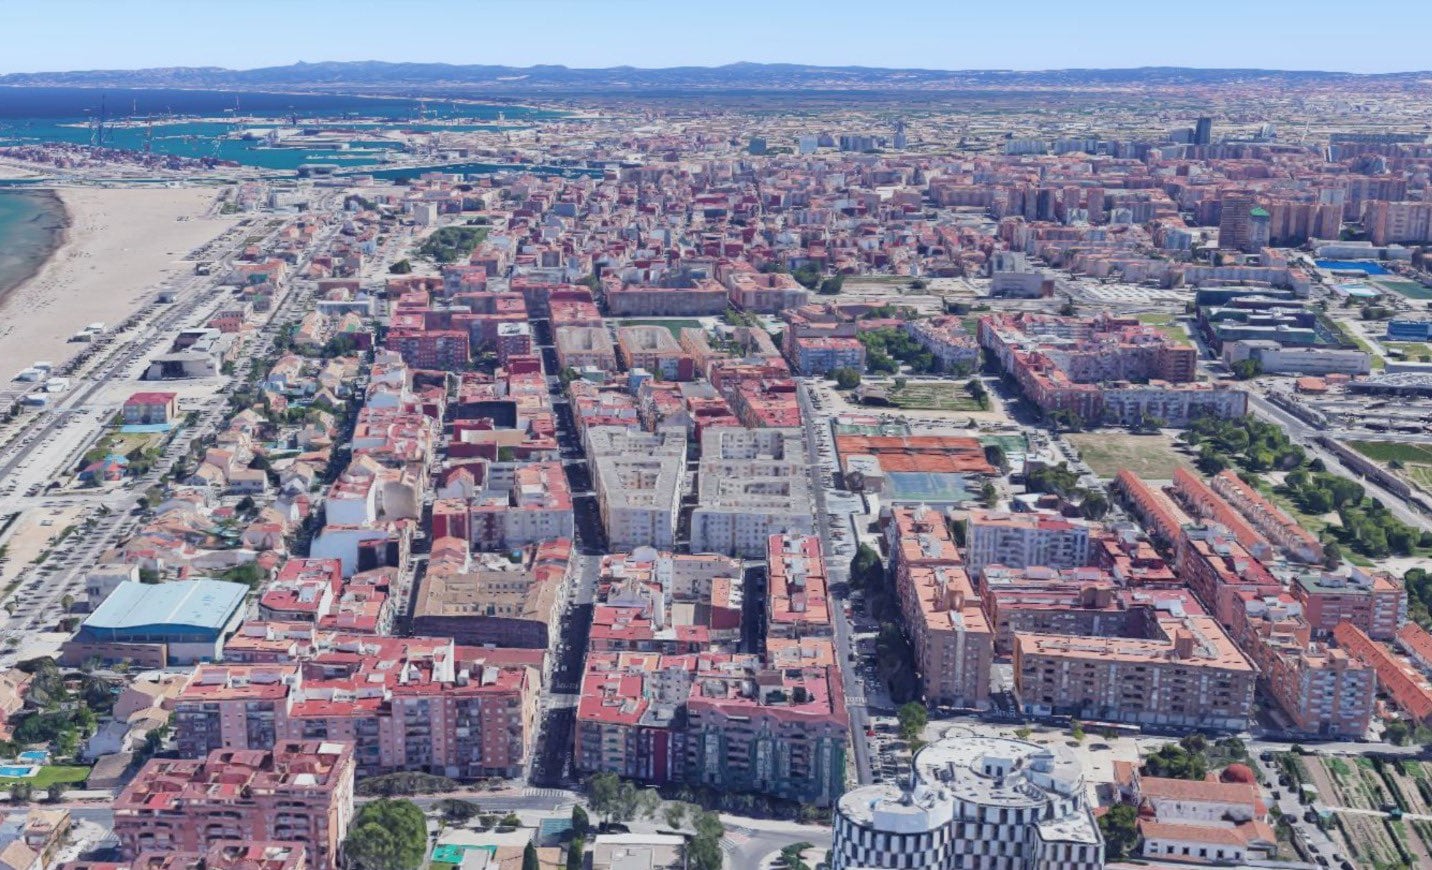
column 380, row 76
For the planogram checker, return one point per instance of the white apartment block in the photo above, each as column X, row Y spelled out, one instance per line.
column 751, row 484
column 1024, row 540
column 639, row 479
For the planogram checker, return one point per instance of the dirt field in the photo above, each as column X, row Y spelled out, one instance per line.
column 1151, row 457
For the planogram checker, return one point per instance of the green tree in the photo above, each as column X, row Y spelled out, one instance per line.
column 704, row 854
column 831, row 286
column 1247, row 369
column 456, row 811
column 529, row 857
column 575, row 850
column 675, row 814
column 865, row 568
column 913, row 718
column 846, row 378
column 402, row 267
column 580, row 823
column 387, row 834
column 603, row 794
column 1120, row 828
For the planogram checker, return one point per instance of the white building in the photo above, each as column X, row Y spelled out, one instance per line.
column 638, row 477
column 981, row 803
column 1024, row 540
column 751, row 484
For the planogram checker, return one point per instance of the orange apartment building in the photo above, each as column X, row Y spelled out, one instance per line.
column 1189, row 674
column 299, row 791
column 1408, row 687
column 949, row 632
column 420, row 704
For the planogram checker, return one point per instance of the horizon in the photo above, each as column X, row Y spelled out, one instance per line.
column 728, row 64
column 79, row 35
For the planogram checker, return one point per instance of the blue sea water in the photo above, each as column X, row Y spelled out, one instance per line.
column 31, row 227
column 185, row 122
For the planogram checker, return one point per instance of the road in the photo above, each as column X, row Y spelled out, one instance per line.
column 552, row 763
column 1305, row 435
column 838, row 571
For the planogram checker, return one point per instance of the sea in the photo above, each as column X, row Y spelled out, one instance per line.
column 31, row 227
column 194, row 123
column 190, row 123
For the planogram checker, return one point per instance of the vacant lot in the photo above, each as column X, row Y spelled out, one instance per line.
column 934, row 396
column 1151, row 457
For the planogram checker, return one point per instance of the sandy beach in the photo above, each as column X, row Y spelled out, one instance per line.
column 119, row 244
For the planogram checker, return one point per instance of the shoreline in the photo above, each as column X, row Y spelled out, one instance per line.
column 58, row 232
column 118, row 244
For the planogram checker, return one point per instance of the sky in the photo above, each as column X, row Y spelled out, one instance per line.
column 60, row 35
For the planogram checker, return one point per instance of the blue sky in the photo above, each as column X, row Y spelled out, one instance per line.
column 40, row 35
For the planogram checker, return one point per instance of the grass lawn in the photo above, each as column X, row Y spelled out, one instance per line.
column 934, row 396
column 675, row 326
column 1410, row 351
column 1307, row 521
column 1156, row 318
column 1420, row 475
column 1151, row 457
column 1410, row 289
column 1387, row 451
column 50, row 774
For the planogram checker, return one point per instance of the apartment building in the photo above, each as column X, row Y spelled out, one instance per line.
column 727, row 722
column 639, row 478
column 1204, row 502
column 1187, row 674
column 764, row 292
column 489, row 599
column 432, row 349
column 299, row 791
column 777, row 731
column 798, row 598
column 580, row 347
column 1405, row 222
column 1374, row 601
column 949, row 633
column 675, row 296
column 948, row 340
column 751, row 484
column 1320, row 690
column 411, row 704
column 1398, row 678
column 652, row 601
column 1221, row 572
column 1272, row 521
column 1022, row 540
column 520, row 504
column 654, row 349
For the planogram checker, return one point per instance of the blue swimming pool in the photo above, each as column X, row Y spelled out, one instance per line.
column 39, row 756
column 1365, row 266
column 18, row 771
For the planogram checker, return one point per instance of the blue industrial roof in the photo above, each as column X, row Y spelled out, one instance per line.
column 201, row 604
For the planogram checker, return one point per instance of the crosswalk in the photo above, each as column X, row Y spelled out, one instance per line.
column 555, row 793
column 734, row 840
